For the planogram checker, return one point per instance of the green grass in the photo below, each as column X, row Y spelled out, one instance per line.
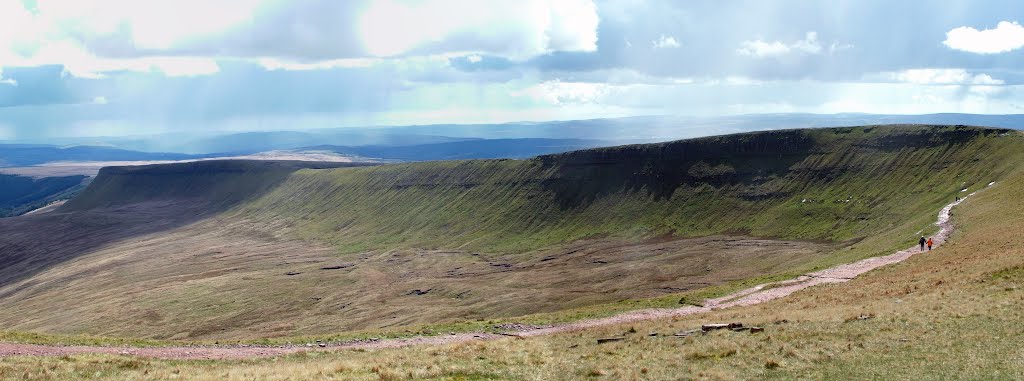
column 953, row 313
column 833, row 185
column 865, row 191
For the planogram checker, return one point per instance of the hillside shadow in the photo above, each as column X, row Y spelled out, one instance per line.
column 128, row 202
column 742, row 162
column 661, row 169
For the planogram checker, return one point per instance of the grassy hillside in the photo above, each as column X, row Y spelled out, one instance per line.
column 217, row 182
column 825, row 184
column 953, row 313
column 295, row 251
column 20, row 194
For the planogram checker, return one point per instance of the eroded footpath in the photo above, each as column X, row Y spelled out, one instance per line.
column 755, row 295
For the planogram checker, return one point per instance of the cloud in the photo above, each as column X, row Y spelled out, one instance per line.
column 6, row 81
column 86, row 66
column 556, row 92
column 517, row 30
column 665, row 42
column 838, row 47
column 190, row 37
column 942, row 77
column 1007, row 36
column 761, row 49
column 279, row 64
column 56, row 32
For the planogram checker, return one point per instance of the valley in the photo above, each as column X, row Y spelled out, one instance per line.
column 269, row 253
column 247, row 250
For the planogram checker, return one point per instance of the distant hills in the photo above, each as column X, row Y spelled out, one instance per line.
column 418, row 143
column 30, row 180
column 253, row 142
column 468, row 149
column 613, row 131
column 20, row 155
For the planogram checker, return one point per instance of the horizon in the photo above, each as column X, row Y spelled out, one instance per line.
column 100, row 139
column 502, row 189
column 113, row 68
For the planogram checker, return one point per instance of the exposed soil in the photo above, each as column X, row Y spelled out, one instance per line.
column 755, row 295
column 226, row 280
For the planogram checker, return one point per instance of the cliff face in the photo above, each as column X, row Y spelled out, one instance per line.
column 818, row 184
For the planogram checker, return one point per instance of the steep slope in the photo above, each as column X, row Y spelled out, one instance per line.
column 829, row 184
column 218, row 183
column 950, row 314
column 284, row 252
column 33, row 244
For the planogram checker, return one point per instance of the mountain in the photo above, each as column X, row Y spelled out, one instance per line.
column 18, row 155
column 233, row 250
column 461, row 150
column 612, row 131
column 253, row 142
column 647, row 129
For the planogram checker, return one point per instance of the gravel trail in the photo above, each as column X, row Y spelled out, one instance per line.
column 754, row 295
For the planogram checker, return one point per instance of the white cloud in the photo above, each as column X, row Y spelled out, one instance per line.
column 279, row 64
column 665, row 42
column 941, row 77
column 1006, row 37
column 761, row 49
column 474, row 58
column 150, row 25
column 95, row 37
column 809, row 44
column 517, row 30
column 838, row 47
column 557, row 92
column 101, row 100
column 53, row 34
column 6, row 81
column 87, row 66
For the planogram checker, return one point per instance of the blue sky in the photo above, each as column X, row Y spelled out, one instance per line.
column 127, row 67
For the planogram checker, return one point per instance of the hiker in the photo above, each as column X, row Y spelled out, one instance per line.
column 921, row 242
column 929, row 244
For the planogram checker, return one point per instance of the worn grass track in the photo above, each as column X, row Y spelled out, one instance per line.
column 756, row 295
column 949, row 314
column 622, row 225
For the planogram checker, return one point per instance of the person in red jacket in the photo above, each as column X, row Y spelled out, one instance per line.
column 929, row 244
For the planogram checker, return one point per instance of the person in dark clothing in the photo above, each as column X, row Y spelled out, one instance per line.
column 922, row 241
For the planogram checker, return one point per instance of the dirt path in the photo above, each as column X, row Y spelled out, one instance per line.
column 751, row 296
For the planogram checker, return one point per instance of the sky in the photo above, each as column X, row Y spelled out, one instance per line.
column 126, row 67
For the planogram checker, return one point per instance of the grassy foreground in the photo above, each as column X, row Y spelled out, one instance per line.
column 953, row 313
